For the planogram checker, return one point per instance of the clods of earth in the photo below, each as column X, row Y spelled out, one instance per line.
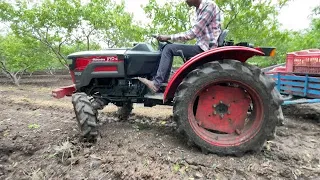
column 39, row 140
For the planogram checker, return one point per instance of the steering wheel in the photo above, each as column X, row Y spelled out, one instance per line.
column 160, row 44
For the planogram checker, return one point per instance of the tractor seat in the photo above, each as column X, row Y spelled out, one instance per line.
column 221, row 42
column 221, row 39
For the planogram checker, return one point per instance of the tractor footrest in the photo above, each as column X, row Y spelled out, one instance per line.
column 157, row 96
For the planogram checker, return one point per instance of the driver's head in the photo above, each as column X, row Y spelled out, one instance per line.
column 194, row 3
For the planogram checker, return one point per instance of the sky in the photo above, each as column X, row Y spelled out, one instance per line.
column 296, row 14
column 293, row 16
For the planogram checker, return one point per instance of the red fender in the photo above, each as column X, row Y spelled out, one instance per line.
column 240, row 53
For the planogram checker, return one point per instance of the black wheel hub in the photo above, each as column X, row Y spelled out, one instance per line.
column 221, row 109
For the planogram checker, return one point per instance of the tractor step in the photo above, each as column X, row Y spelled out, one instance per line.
column 156, row 96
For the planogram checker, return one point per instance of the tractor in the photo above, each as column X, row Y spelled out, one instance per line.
column 221, row 104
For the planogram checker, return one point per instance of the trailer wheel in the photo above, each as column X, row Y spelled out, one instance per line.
column 227, row 107
column 86, row 117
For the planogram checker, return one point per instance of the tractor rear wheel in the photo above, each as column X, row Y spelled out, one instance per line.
column 227, row 107
column 86, row 117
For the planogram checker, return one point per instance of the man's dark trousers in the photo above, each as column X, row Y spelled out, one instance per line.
column 168, row 52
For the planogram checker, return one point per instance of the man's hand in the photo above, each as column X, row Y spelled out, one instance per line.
column 163, row 38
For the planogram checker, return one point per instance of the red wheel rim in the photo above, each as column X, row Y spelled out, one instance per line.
column 217, row 127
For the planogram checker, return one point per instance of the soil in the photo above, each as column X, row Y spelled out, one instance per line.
column 39, row 140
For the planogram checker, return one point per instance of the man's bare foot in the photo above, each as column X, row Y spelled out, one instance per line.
column 149, row 84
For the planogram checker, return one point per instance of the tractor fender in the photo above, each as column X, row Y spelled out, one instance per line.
column 240, row 53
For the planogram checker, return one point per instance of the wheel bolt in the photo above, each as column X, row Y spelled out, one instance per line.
column 215, row 113
column 214, row 105
column 229, row 112
column 221, row 102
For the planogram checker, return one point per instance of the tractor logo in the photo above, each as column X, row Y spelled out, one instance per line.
column 98, row 59
column 110, row 58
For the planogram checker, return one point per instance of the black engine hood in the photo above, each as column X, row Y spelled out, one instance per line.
column 107, row 52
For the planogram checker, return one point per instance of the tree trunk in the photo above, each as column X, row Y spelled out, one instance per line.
column 15, row 78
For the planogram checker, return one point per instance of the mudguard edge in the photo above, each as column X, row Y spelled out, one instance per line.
column 228, row 52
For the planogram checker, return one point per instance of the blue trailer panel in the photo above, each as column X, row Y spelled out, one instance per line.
column 299, row 89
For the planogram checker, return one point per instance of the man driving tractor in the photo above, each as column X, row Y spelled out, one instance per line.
column 206, row 30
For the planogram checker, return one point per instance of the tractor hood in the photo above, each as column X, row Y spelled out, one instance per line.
column 107, row 52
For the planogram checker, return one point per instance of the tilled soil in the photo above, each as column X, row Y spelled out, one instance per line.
column 39, row 140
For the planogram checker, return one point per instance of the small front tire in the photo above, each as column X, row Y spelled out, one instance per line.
column 86, row 117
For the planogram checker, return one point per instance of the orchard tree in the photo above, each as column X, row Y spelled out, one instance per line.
column 50, row 22
column 171, row 17
column 253, row 21
column 111, row 23
column 250, row 21
column 18, row 57
column 62, row 23
column 246, row 19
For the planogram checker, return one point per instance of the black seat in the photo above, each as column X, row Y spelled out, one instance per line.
column 221, row 39
column 221, row 42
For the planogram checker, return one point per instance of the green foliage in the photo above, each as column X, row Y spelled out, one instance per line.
column 248, row 21
column 115, row 24
column 51, row 22
column 176, row 167
column 61, row 23
column 33, row 126
column 169, row 18
column 50, row 30
column 18, row 56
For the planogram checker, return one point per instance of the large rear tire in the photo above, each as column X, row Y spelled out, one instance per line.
column 227, row 107
column 86, row 117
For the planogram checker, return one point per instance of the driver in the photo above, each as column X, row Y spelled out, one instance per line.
column 206, row 30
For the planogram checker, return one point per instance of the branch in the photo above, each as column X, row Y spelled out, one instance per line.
column 22, row 72
column 60, row 44
column 47, row 32
column 232, row 19
column 88, row 39
column 58, row 54
column 5, row 70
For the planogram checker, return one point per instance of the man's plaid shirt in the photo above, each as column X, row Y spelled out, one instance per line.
column 207, row 27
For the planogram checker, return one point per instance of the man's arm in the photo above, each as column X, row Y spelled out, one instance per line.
column 208, row 13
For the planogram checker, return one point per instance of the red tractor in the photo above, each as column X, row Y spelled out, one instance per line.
column 220, row 103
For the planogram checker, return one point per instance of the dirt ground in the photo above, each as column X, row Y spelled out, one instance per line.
column 39, row 140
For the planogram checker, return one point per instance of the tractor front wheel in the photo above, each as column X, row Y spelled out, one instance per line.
column 86, row 117
column 227, row 107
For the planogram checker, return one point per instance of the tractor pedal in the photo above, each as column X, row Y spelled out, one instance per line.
column 157, row 96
